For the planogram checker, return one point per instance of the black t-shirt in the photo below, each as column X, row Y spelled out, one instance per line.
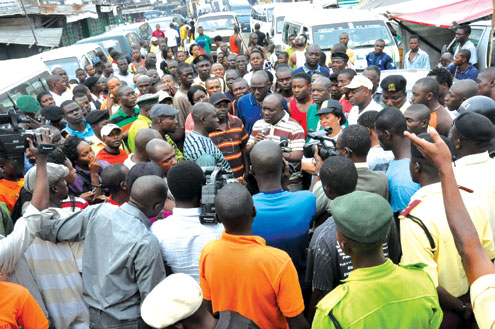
column 261, row 38
column 233, row 320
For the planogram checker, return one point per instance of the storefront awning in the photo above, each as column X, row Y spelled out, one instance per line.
column 24, row 36
column 444, row 16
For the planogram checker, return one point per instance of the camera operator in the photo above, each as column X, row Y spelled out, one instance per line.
column 181, row 235
column 276, row 125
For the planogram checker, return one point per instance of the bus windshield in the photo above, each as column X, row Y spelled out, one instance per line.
column 211, row 24
column 362, row 34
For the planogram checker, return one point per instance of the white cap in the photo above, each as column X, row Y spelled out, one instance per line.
column 107, row 129
column 360, row 81
column 162, row 94
column 174, row 299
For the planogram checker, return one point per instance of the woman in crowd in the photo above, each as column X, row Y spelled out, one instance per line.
column 194, row 52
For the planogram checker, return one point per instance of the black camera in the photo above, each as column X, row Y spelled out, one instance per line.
column 13, row 142
column 326, row 145
column 216, row 178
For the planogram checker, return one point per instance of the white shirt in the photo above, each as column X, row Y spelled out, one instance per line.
column 59, row 99
column 472, row 49
column 354, row 113
column 127, row 78
column 182, row 237
column 171, row 35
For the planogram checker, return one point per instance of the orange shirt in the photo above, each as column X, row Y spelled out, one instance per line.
column 9, row 192
column 240, row 273
column 112, row 158
column 19, row 308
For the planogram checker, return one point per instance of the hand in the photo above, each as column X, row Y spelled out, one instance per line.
column 43, row 138
column 437, row 153
column 94, row 166
column 318, row 159
column 286, row 172
column 259, row 138
column 241, row 180
column 468, row 312
column 88, row 196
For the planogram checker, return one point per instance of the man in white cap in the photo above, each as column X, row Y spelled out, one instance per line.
column 359, row 94
column 177, row 302
column 112, row 153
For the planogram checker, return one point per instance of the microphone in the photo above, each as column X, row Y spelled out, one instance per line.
column 265, row 130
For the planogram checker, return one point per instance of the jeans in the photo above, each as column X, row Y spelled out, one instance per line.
column 101, row 320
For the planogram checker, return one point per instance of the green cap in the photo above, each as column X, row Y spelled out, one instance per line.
column 147, row 100
column 362, row 216
column 28, row 104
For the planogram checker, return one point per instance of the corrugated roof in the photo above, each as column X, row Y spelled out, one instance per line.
column 24, row 36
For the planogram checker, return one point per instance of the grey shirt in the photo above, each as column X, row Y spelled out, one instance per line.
column 121, row 261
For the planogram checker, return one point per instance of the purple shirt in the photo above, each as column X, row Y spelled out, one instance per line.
column 82, row 183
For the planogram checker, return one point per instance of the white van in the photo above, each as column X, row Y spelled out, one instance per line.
column 221, row 23
column 70, row 58
column 262, row 15
column 323, row 27
column 25, row 76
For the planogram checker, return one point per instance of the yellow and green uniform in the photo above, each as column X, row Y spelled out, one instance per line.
column 140, row 123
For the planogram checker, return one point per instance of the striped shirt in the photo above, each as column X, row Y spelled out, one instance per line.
column 123, row 120
column 196, row 145
column 382, row 60
column 57, row 269
column 231, row 142
column 287, row 127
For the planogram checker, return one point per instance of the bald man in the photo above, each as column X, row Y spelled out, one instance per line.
column 144, row 84
column 275, row 207
column 486, row 82
column 162, row 153
column 142, row 138
column 458, row 93
column 198, row 144
column 116, row 279
column 320, row 92
column 249, row 106
column 417, row 118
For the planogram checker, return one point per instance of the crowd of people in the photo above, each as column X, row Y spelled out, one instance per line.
column 353, row 206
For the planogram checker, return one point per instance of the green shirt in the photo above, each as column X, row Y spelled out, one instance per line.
column 140, row 123
column 312, row 119
column 384, row 296
column 207, row 40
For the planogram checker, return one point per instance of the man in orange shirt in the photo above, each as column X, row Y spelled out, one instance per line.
column 10, row 185
column 266, row 287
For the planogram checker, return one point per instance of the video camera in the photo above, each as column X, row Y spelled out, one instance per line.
column 326, row 145
column 216, row 178
column 13, row 142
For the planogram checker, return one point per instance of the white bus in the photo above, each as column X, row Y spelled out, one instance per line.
column 262, row 15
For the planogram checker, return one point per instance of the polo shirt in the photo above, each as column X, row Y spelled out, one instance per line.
column 140, row 123
column 123, row 120
column 196, row 145
column 112, row 158
column 266, row 288
column 483, row 299
column 400, row 184
column 231, row 141
column 444, row 264
column 285, row 127
column 283, row 219
column 384, row 296
column 320, row 69
column 249, row 111
column 470, row 73
column 88, row 131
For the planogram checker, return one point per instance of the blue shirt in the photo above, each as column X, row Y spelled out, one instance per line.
column 470, row 73
column 321, row 69
column 283, row 219
column 248, row 111
column 420, row 61
column 400, row 184
column 88, row 131
column 383, row 61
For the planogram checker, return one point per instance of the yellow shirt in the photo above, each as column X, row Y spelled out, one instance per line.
column 477, row 172
column 141, row 122
column 444, row 264
column 349, row 52
column 483, row 300
column 190, row 59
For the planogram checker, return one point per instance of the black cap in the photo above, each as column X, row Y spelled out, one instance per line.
column 339, row 54
column 394, row 83
column 96, row 116
column 334, row 107
column 426, row 136
column 474, row 127
column 52, row 113
column 218, row 97
column 203, row 57
column 91, row 81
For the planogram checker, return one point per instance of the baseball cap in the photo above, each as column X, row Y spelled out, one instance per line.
column 360, row 81
column 332, row 106
column 162, row 94
column 218, row 97
column 107, row 129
